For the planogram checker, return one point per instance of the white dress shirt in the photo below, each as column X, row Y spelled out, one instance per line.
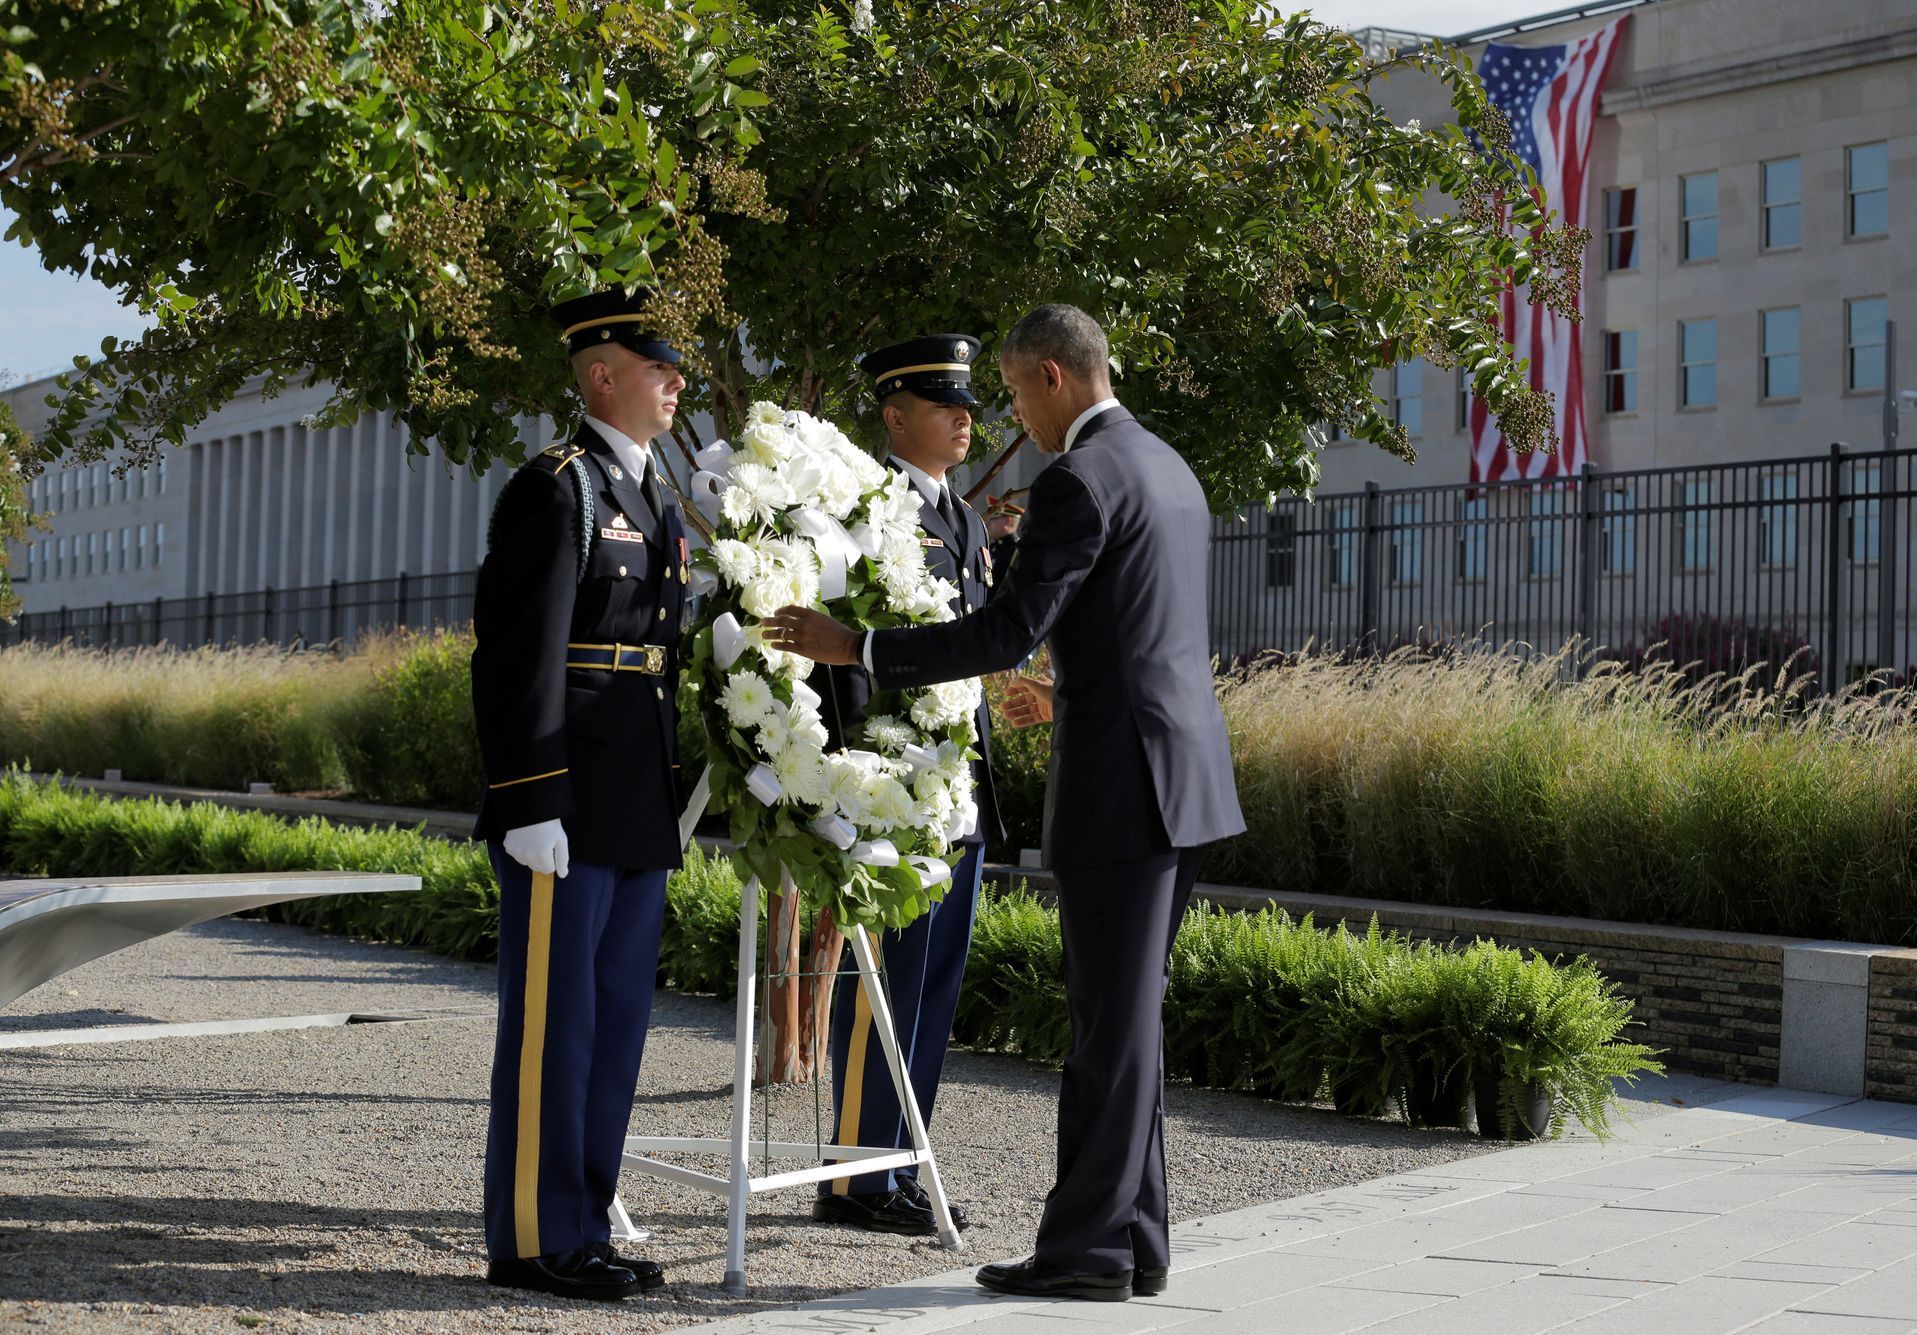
column 1078, row 423
column 629, row 452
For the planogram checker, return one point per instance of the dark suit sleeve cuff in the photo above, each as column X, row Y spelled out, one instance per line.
column 531, row 799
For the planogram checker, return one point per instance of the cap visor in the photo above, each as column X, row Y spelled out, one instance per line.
column 961, row 396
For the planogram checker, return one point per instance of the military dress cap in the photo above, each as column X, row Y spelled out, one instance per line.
column 612, row 317
column 936, row 367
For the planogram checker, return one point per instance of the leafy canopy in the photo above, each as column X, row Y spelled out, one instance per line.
column 388, row 197
column 383, row 196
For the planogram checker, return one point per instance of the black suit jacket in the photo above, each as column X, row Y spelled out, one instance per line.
column 1112, row 566
column 963, row 559
column 590, row 746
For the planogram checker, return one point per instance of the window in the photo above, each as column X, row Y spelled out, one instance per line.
column 1694, row 526
column 60, row 559
column 1617, row 531
column 1464, row 399
column 1472, row 535
column 1780, row 331
column 139, row 550
column 1407, row 541
column 100, row 494
column 1864, row 342
column 1620, row 229
column 126, row 543
column 1620, row 370
column 1407, row 396
column 1783, row 203
column 1281, row 550
column 160, row 465
column 1697, row 363
column 1697, row 219
column 1341, row 542
column 1777, row 520
column 93, row 552
column 1867, row 190
column 159, row 543
column 1546, row 539
column 1866, row 537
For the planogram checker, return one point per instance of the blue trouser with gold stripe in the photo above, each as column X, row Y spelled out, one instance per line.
column 924, row 967
column 577, row 959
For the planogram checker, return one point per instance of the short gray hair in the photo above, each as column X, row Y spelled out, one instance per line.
column 1062, row 334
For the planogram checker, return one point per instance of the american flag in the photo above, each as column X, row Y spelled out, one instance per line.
column 1550, row 96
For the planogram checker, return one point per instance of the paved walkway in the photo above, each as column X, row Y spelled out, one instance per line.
column 1769, row 1211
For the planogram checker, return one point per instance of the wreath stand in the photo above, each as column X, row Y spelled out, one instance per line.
column 739, row 1185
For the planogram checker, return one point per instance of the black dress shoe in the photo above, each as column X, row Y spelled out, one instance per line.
column 575, row 1274
column 1029, row 1279
column 650, row 1274
column 910, row 1189
column 1148, row 1281
column 876, row 1212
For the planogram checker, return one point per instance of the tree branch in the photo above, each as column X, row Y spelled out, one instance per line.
column 20, row 165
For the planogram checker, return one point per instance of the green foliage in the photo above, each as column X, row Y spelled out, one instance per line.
column 1214, row 182
column 15, row 518
column 413, row 737
column 1020, row 758
column 383, row 197
column 1261, row 1003
column 1256, row 1002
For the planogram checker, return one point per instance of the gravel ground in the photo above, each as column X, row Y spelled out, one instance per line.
column 328, row 1179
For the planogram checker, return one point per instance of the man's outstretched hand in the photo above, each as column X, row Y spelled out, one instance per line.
column 813, row 635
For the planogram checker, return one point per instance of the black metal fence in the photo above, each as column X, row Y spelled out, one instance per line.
column 319, row 614
column 1728, row 563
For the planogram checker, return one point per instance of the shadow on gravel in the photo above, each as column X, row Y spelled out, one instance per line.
column 173, row 1251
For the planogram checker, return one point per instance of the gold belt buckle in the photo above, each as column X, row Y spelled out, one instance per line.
column 655, row 659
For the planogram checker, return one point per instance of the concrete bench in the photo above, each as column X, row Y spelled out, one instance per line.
column 48, row 927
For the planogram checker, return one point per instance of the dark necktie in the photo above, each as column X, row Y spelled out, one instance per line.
column 946, row 511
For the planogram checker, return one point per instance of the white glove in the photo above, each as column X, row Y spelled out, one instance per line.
column 540, row 848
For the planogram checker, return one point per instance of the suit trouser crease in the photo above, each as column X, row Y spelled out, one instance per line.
column 595, row 984
column 1108, row 1210
column 924, row 970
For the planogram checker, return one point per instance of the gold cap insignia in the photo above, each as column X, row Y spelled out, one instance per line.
column 961, row 349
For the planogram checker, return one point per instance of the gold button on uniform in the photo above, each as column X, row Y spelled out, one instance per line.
column 659, row 691
column 662, row 614
column 622, row 572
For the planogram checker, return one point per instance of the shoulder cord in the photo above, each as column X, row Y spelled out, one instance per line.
column 587, row 531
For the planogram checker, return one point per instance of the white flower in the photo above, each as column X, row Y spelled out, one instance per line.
column 747, row 699
column 802, row 774
column 889, row 803
column 764, row 412
column 887, row 733
column 862, row 16
column 808, row 729
column 946, row 704
column 775, row 735
column 778, row 662
column 767, row 444
column 756, row 493
column 839, row 489
column 737, row 561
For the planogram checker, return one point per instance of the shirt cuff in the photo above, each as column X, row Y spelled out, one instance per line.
column 865, row 654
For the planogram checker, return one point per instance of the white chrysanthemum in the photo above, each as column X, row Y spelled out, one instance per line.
column 740, row 507
column 747, row 699
column 763, row 492
column 888, row 734
column 763, row 412
column 775, row 735
column 737, row 561
column 946, row 704
column 777, row 661
column 802, row 776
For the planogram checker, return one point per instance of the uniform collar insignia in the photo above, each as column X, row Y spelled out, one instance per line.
column 619, row 521
column 617, row 474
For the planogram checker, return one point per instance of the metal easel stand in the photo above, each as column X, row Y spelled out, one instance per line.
column 739, row 1186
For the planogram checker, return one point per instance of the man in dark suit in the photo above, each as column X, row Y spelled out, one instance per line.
column 577, row 620
column 925, row 394
column 1112, row 567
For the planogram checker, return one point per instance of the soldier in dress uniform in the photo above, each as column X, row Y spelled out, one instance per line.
column 924, row 387
column 577, row 619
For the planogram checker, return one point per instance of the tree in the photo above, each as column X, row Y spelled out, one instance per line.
column 15, row 518
column 383, row 196
column 1216, row 184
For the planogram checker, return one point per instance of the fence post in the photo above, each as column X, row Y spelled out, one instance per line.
column 66, row 623
column 267, row 618
column 106, row 628
column 1370, row 570
column 399, row 615
column 206, row 620
column 332, row 613
column 159, row 610
column 1837, row 557
column 1590, row 553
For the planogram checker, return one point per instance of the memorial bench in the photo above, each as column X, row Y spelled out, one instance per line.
column 50, row 926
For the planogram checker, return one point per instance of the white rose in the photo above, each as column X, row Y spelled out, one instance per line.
column 889, row 802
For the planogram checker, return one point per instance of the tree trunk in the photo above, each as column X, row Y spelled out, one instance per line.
column 796, row 1020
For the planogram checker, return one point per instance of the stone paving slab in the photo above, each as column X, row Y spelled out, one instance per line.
column 1767, row 1211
